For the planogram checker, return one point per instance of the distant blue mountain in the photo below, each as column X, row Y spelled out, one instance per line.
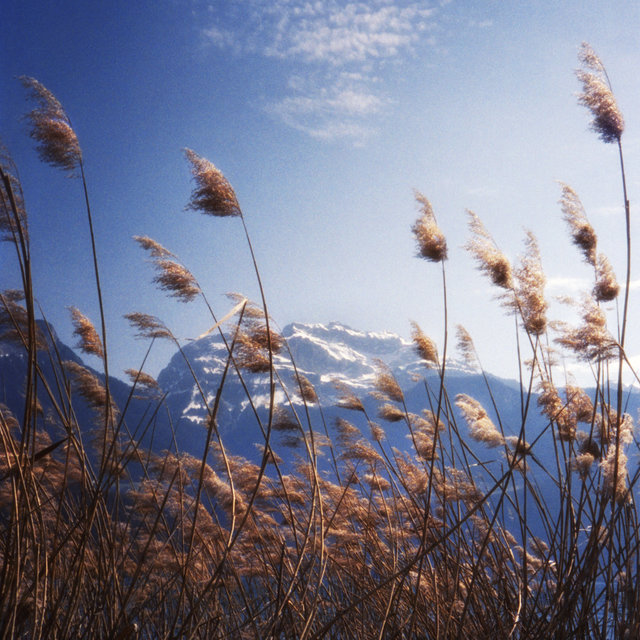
column 325, row 355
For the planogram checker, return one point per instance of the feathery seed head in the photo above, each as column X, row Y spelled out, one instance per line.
column 89, row 340
column 346, row 398
column 579, row 403
column 558, row 412
column 253, row 345
column 142, row 379
column 425, row 346
column 284, row 420
column 582, row 464
column 376, row 482
column 589, row 58
column 377, row 432
column 386, row 383
column 489, row 258
column 587, row 444
column 347, row 432
column 481, row 427
column 154, row 248
column 89, row 387
column 176, row 279
column 148, row 326
column 530, row 282
column 360, row 450
column 213, row 194
column 626, row 429
column 614, row 473
column 606, row 287
column 465, row 345
column 592, row 340
column 519, row 447
column 582, row 233
column 51, row 129
column 431, row 242
column 252, row 311
column 307, row 390
column 391, row 413
column 598, row 97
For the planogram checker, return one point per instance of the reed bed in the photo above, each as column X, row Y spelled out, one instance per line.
column 102, row 536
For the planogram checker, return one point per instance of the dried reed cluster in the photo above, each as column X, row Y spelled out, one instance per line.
column 413, row 528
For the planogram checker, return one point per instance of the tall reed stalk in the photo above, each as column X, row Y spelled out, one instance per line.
column 477, row 528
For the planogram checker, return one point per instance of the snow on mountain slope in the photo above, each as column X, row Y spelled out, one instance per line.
column 322, row 353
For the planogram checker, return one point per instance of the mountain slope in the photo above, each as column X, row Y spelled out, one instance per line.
column 324, row 354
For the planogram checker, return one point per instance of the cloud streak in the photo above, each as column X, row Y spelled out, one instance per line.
column 338, row 49
column 337, row 33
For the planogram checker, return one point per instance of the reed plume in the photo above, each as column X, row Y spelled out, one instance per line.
column 176, row 279
column 148, row 326
column 606, row 287
column 154, row 248
column 582, row 233
column 530, row 283
column 89, row 340
column 51, row 128
column 213, row 194
column 481, row 427
column 465, row 346
column 591, row 340
column 425, row 347
column 140, row 378
column 489, row 258
column 431, row 242
column 598, row 97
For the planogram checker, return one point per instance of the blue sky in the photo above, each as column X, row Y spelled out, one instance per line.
column 325, row 116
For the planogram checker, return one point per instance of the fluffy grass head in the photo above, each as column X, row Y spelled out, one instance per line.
column 431, row 242
column 213, row 193
column 50, row 127
column 598, row 97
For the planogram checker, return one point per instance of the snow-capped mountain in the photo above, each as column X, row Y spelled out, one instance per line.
column 324, row 354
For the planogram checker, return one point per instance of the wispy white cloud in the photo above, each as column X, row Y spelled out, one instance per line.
column 222, row 38
column 575, row 285
column 568, row 285
column 481, row 24
column 340, row 46
column 337, row 33
column 329, row 114
column 613, row 210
